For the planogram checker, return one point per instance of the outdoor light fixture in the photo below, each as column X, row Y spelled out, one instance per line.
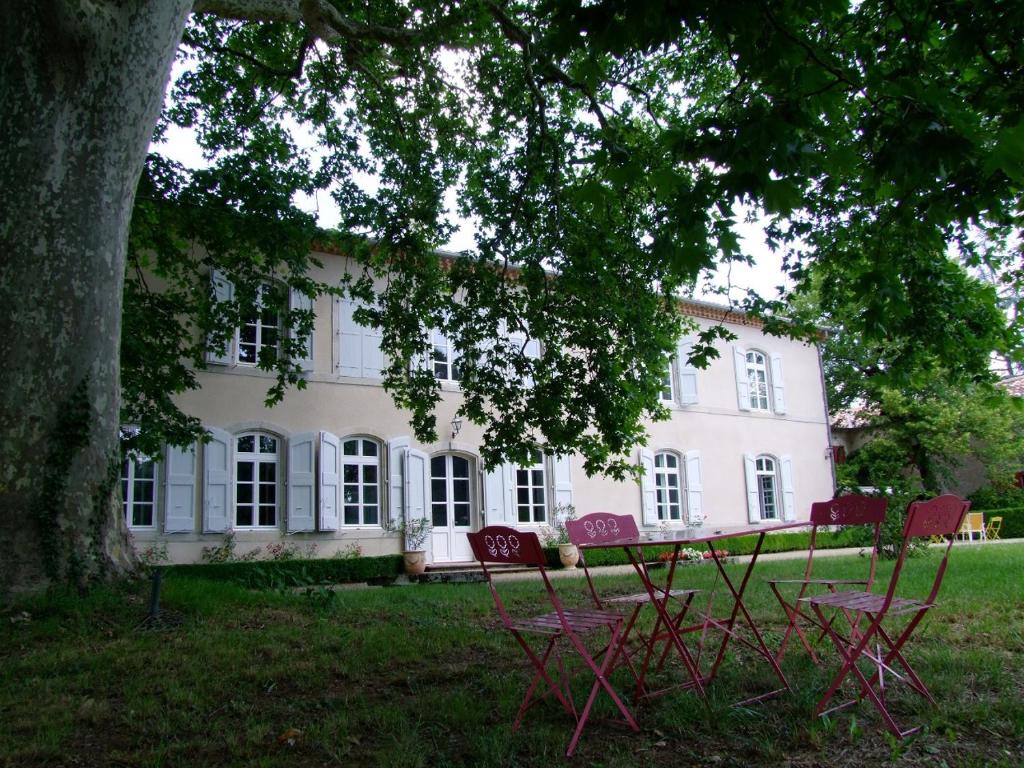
column 456, row 427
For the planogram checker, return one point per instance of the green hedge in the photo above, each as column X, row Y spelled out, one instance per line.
column 741, row 545
column 1013, row 521
column 262, row 574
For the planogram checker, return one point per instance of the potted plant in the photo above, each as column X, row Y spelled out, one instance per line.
column 414, row 535
column 557, row 535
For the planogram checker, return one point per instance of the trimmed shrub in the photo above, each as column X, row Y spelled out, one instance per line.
column 274, row 574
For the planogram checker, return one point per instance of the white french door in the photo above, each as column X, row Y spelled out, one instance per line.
column 451, row 507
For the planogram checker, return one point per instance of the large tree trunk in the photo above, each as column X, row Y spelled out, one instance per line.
column 83, row 83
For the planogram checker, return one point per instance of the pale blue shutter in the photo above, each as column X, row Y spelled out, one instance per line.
column 330, row 481
column 778, row 385
column 349, row 339
column 687, row 373
column 750, row 474
column 301, row 479
column 299, row 300
column 180, row 490
column 562, row 480
column 694, row 488
column 223, row 290
column 396, row 475
column 218, row 463
column 498, row 494
column 788, row 496
column 739, row 357
column 417, row 490
column 648, row 496
column 372, row 355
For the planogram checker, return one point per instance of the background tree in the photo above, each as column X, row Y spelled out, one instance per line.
column 600, row 147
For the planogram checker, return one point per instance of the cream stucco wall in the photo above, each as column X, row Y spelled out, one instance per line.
column 231, row 398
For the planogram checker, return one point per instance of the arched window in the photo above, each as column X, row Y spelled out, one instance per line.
column 360, row 477
column 450, row 503
column 444, row 358
column 668, row 486
column 766, row 471
column 256, row 480
column 757, row 375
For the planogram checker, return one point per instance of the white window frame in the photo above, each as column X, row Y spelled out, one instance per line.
column 757, row 363
column 257, row 458
column 448, row 359
column 766, row 471
column 449, row 478
column 662, row 487
column 532, row 506
column 668, row 382
column 360, row 461
column 260, row 325
column 129, row 469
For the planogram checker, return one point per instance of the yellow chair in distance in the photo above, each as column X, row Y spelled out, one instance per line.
column 993, row 527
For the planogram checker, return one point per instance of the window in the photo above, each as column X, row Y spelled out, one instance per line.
column 138, row 491
column 449, row 491
column 360, row 473
column 767, row 487
column 757, row 375
column 444, row 360
column 258, row 336
column 531, row 503
column 668, row 394
column 256, row 480
column 668, row 486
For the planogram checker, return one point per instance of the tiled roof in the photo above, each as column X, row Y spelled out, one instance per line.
column 1014, row 385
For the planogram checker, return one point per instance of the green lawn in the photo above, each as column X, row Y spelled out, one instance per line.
column 422, row 676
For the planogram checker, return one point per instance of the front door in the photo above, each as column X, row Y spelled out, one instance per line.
column 451, row 508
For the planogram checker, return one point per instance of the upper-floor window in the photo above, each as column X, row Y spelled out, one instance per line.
column 256, row 480
column 531, row 490
column 767, row 487
column 668, row 486
column 360, row 477
column 259, row 334
column 668, row 391
column 138, row 491
column 757, row 375
column 444, row 359
column 759, row 381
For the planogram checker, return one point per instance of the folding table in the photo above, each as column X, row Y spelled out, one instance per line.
column 738, row 617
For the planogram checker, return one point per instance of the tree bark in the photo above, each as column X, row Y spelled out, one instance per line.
column 82, row 88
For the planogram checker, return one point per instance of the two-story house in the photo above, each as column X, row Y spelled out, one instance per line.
column 747, row 441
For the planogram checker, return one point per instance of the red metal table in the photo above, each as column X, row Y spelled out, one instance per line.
column 738, row 616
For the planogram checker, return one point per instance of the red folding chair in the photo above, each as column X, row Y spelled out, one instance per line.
column 941, row 516
column 845, row 510
column 563, row 627
column 603, row 527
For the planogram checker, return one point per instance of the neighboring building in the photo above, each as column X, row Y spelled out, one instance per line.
column 748, row 440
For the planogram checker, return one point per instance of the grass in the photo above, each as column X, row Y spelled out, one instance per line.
column 422, row 676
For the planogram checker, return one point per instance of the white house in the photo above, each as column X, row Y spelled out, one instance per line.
column 747, row 441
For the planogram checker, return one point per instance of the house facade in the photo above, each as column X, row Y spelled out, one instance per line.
column 748, row 440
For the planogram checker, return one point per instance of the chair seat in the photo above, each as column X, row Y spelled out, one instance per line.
column 867, row 602
column 579, row 620
column 816, row 581
column 642, row 597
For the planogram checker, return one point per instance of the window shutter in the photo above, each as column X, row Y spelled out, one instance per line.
column 417, row 489
column 373, row 356
column 694, row 488
column 497, row 495
column 396, row 475
column 217, row 491
column 778, row 385
column 739, row 357
column 301, row 476
column 180, row 491
column 788, row 496
column 223, row 290
column 753, row 505
column 562, row 480
column 330, row 481
column 299, row 300
column 349, row 339
column 687, row 373
column 647, row 493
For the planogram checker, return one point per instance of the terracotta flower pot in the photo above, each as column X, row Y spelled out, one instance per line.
column 415, row 562
column 569, row 555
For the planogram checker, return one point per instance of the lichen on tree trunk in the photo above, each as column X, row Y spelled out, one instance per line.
column 82, row 88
